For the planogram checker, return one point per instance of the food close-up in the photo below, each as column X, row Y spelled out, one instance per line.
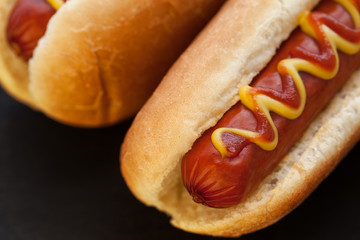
column 179, row 119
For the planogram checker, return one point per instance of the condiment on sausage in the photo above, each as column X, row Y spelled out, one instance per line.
column 231, row 159
column 27, row 24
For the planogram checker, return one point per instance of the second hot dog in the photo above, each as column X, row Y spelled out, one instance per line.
column 98, row 61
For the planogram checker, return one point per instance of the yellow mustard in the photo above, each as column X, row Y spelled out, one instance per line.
column 291, row 67
column 56, row 4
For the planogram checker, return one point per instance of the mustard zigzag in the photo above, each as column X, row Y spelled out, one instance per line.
column 264, row 104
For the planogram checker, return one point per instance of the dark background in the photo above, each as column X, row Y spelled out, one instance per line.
column 60, row 182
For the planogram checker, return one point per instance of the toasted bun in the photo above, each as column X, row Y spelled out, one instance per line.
column 197, row 91
column 101, row 59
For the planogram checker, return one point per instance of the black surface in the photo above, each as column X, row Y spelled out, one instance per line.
column 59, row 182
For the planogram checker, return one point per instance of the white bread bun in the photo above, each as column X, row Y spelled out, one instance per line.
column 196, row 92
column 101, row 59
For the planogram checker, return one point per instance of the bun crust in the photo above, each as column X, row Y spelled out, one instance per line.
column 99, row 66
column 199, row 88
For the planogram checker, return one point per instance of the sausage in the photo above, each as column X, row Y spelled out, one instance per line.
column 27, row 24
column 223, row 179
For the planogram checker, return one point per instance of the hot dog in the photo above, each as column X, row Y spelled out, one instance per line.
column 249, row 179
column 244, row 161
column 93, row 63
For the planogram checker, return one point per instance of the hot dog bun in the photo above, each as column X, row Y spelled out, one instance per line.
column 196, row 92
column 100, row 60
